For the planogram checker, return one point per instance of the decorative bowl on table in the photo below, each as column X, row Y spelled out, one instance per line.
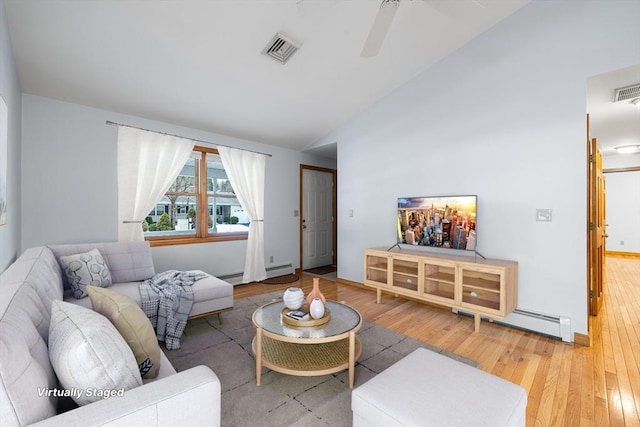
column 293, row 298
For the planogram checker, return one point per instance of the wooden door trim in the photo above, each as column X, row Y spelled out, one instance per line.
column 588, row 227
column 627, row 169
column 623, row 254
column 591, row 225
column 595, row 226
column 334, row 210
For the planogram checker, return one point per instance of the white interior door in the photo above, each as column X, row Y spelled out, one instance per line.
column 317, row 218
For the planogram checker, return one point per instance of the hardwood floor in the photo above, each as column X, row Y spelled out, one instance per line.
column 567, row 385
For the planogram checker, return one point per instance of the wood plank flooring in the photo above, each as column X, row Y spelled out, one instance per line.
column 567, row 385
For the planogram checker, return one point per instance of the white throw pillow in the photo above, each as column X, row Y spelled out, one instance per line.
column 88, row 354
column 85, row 269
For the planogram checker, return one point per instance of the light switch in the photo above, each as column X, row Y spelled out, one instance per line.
column 543, row 215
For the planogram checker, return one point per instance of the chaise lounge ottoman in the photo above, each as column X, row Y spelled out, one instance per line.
column 428, row 389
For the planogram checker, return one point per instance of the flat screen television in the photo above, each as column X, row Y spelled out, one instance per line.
column 440, row 221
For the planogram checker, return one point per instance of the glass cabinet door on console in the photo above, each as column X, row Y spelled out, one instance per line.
column 439, row 280
column 405, row 273
column 377, row 269
column 481, row 289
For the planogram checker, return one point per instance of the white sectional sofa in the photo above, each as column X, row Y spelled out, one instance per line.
column 131, row 262
column 28, row 288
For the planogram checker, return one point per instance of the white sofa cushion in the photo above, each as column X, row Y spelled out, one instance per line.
column 83, row 269
column 209, row 294
column 134, row 326
column 88, row 354
column 27, row 288
column 190, row 398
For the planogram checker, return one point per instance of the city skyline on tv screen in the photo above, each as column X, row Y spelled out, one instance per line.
column 443, row 221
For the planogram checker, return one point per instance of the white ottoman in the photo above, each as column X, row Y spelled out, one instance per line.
column 428, row 389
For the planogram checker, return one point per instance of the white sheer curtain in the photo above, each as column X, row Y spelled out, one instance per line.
column 246, row 171
column 148, row 163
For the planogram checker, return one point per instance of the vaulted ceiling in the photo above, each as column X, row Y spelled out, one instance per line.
column 199, row 63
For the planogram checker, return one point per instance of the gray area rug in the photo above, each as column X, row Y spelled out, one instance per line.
column 282, row 400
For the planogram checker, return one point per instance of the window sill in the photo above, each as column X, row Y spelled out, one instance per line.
column 170, row 241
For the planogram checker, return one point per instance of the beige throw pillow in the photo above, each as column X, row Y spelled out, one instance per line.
column 133, row 325
column 88, row 355
column 84, row 269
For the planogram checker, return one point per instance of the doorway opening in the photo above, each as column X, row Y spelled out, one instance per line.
column 611, row 123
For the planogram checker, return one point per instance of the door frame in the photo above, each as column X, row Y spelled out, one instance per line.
column 591, row 234
column 334, row 211
column 596, row 229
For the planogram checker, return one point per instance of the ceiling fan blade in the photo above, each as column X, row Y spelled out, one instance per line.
column 380, row 28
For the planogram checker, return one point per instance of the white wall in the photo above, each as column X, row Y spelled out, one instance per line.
column 621, row 160
column 623, row 211
column 10, row 91
column 503, row 118
column 623, row 203
column 70, row 193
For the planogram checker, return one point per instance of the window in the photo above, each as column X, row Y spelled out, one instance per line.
column 185, row 214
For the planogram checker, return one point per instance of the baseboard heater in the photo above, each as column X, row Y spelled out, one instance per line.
column 272, row 271
column 545, row 324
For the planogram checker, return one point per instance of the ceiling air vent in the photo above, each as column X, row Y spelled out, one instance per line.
column 627, row 93
column 281, row 48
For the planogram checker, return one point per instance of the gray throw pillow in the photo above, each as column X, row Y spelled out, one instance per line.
column 84, row 269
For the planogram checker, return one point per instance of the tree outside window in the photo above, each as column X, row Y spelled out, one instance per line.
column 199, row 206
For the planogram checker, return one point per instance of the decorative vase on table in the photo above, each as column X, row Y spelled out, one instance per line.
column 316, row 309
column 293, row 298
column 315, row 293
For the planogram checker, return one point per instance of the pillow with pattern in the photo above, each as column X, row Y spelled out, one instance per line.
column 88, row 353
column 84, row 269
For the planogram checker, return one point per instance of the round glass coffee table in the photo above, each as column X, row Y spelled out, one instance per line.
column 306, row 350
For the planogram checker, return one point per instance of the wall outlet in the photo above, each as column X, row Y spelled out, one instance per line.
column 271, row 259
column 621, row 242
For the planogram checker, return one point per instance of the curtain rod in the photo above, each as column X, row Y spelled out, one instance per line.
column 109, row 122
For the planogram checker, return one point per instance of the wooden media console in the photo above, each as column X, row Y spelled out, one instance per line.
column 483, row 287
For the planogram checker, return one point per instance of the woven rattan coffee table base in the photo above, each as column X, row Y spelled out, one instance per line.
column 310, row 350
column 306, row 359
